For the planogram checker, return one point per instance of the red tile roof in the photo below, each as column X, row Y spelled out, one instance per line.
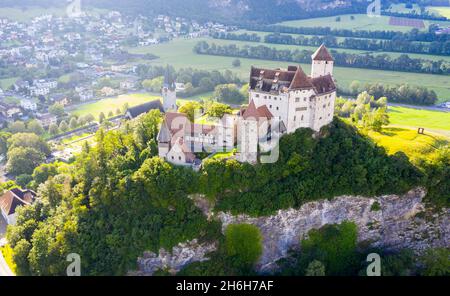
column 255, row 113
column 322, row 54
column 14, row 198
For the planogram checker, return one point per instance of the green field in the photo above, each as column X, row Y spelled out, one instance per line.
column 7, row 83
column 361, row 22
column 442, row 11
column 179, row 54
column 111, row 104
column 414, row 145
column 293, row 47
column 401, row 8
column 414, row 118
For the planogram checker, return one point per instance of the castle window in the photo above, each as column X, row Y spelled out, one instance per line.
column 320, row 118
column 278, row 108
column 257, row 95
column 302, row 118
column 297, row 100
column 270, row 106
column 295, row 117
column 304, row 99
column 179, row 157
column 173, row 158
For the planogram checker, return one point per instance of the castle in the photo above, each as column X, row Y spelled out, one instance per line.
column 280, row 102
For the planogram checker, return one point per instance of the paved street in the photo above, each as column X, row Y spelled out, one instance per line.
column 4, row 269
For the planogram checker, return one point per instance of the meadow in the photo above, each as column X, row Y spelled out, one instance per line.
column 179, row 53
column 435, row 121
column 293, row 47
column 112, row 104
column 7, row 82
column 360, row 22
column 415, row 146
column 440, row 10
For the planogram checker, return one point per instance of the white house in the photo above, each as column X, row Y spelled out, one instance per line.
column 28, row 105
column 47, row 119
column 13, row 199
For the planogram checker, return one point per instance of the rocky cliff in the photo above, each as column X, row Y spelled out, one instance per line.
column 389, row 221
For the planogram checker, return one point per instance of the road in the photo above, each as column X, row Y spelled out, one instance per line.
column 430, row 108
column 4, row 268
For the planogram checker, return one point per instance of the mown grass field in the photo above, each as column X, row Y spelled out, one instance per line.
column 440, row 10
column 415, row 118
column 8, row 82
column 111, row 104
column 179, row 53
column 361, row 22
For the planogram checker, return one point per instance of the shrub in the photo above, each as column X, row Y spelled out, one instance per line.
column 244, row 242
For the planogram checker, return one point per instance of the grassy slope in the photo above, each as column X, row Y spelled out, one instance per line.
column 179, row 54
column 402, row 134
column 414, row 145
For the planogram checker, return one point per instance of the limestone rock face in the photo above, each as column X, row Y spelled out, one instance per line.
column 394, row 222
column 181, row 255
column 395, row 225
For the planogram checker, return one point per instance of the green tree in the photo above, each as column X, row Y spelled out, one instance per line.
column 23, row 160
column 228, row 93
column 23, row 180
column 315, row 268
column 218, row 110
column 35, row 126
column 335, row 246
column 23, row 140
column 63, row 126
column 53, row 129
column 17, row 127
column 73, row 123
column 56, row 109
column 244, row 242
column 436, row 262
column 153, row 85
column 101, row 117
column 189, row 108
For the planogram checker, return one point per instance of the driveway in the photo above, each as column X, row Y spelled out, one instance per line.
column 2, row 227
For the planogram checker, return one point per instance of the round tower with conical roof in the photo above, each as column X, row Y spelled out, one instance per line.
column 322, row 62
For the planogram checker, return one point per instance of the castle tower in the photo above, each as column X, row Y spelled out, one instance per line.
column 322, row 62
column 169, row 93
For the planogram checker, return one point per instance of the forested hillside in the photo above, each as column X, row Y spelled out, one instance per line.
column 119, row 199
